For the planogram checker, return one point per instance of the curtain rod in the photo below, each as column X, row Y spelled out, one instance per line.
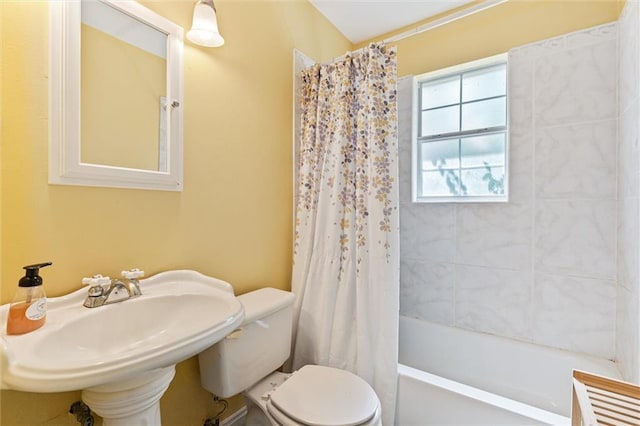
column 487, row 4
column 445, row 20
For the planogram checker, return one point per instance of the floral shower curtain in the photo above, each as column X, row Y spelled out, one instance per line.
column 346, row 249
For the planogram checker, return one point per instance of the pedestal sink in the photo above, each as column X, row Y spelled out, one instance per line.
column 121, row 355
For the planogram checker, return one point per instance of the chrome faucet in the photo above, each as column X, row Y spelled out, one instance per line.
column 104, row 290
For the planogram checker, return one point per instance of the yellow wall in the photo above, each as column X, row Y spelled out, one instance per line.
column 233, row 219
column 497, row 30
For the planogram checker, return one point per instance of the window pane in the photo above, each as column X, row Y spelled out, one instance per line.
column 441, row 154
column 484, row 83
column 480, row 115
column 481, row 150
column 443, row 183
column 444, row 91
column 461, row 141
column 439, row 121
column 484, row 181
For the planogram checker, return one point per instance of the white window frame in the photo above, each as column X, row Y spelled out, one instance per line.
column 416, row 120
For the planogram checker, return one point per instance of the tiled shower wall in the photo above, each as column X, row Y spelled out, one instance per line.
column 542, row 267
column 628, row 290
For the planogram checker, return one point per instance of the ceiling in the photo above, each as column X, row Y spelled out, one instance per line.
column 361, row 20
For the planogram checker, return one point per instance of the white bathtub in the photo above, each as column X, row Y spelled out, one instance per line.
column 449, row 376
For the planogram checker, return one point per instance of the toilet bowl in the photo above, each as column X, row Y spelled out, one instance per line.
column 315, row 395
column 246, row 360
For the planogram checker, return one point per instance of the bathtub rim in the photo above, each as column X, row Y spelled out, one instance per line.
column 486, row 361
column 522, row 409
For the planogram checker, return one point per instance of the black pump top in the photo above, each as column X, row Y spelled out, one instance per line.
column 32, row 279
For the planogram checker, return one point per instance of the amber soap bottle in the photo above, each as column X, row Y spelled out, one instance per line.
column 28, row 310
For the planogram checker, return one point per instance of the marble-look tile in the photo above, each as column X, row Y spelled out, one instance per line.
column 520, row 184
column 470, row 264
column 494, row 235
column 520, row 89
column 520, row 172
column 576, row 161
column 405, row 96
column 405, row 141
column 627, row 245
column 591, row 35
column 427, row 232
column 628, row 263
column 573, row 313
column 577, row 85
column 537, row 49
column 628, row 44
column 576, row 237
column 404, row 81
column 572, row 40
column 493, row 301
column 628, row 334
column 628, row 152
column 426, row 291
column 404, row 172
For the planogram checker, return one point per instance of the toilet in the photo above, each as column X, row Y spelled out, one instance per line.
column 247, row 359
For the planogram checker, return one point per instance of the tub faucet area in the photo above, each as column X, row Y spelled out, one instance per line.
column 104, row 290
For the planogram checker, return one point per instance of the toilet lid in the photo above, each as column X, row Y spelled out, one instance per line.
column 325, row 396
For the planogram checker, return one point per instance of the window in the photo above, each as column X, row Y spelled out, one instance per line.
column 460, row 149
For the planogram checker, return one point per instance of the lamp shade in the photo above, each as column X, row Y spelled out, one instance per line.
column 204, row 29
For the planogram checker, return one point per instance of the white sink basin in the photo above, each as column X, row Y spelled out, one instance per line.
column 178, row 315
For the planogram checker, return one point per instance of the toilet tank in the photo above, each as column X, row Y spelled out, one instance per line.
column 253, row 351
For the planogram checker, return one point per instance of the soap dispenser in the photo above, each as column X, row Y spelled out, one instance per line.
column 28, row 309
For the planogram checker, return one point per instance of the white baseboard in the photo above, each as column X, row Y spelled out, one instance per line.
column 236, row 419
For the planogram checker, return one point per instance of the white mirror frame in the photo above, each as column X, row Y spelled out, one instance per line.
column 65, row 165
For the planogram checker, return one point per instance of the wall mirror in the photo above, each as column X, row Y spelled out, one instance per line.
column 115, row 109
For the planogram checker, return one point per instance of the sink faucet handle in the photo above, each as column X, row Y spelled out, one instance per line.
column 96, row 280
column 132, row 274
column 96, row 288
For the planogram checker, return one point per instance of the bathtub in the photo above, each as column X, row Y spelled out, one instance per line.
column 450, row 376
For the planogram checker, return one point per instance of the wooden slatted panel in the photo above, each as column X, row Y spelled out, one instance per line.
column 611, row 385
column 604, row 423
column 627, row 401
column 632, row 411
column 613, row 418
column 602, row 401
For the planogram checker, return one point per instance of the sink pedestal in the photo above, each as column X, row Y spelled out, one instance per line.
column 130, row 402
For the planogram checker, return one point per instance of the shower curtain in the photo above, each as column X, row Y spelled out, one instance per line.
column 346, row 248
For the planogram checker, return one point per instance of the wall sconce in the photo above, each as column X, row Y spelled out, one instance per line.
column 204, row 29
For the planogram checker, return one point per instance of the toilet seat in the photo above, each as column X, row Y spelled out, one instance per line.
column 284, row 420
column 324, row 396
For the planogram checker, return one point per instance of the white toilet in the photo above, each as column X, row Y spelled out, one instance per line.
column 246, row 360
